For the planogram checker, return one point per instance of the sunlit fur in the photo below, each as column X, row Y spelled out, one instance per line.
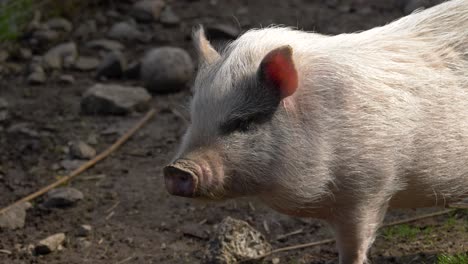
column 380, row 119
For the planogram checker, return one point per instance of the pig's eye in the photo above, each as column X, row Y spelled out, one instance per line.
column 238, row 124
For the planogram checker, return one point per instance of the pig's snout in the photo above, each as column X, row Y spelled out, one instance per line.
column 181, row 178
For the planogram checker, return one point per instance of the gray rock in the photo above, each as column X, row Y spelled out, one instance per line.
column 63, row 53
column 84, row 63
column 71, row 165
column 86, row 29
column 105, row 44
column 168, row 17
column 114, row 100
column 66, row 79
column 62, row 197
column 81, row 150
column 412, row 5
column 4, row 55
column 83, row 243
column 15, row 217
column 112, row 66
column 125, row 31
column 236, row 241
column 84, row 231
column 60, row 24
column 45, row 35
column 24, row 54
column 4, row 103
column 24, row 129
column 222, row 31
column 36, row 77
column 166, row 69
column 50, row 244
column 133, row 71
column 147, row 10
column 4, row 116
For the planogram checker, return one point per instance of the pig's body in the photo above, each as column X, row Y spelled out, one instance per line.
column 378, row 119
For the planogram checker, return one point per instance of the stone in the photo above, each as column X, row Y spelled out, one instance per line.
column 4, row 103
column 412, row 5
column 132, row 72
column 84, row 231
column 24, row 54
column 50, row 244
column 83, row 243
column 86, row 29
column 105, row 44
column 166, row 69
column 112, row 66
column 62, row 197
column 24, row 129
column 71, row 165
column 81, row 150
column 55, row 57
column 36, row 77
column 222, row 31
column 15, row 217
column 112, row 99
column 236, row 241
column 147, row 10
column 60, row 24
column 45, row 35
column 4, row 55
column 124, row 31
column 66, row 79
column 84, row 63
column 168, row 17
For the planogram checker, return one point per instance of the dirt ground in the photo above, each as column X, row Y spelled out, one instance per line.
column 134, row 220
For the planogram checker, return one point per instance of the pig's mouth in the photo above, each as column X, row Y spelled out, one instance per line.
column 181, row 178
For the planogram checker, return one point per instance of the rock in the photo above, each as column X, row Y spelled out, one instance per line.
column 4, row 103
column 84, row 230
column 63, row 53
column 125, row 31
column 275, row 261
column 45, row 36
column 37, row 76
column 24, row 54
column 50, row 244
column 84, row 63
column 133, row 71
column 81, row 150
column 114, row 100
column 24, row 129
column 105, row 44
column 166, row 69
column 412, row 5
column 66, row 79
column 4, row 55
column 60, row 24
column 236, row 241
column 86, row 29
column 147, row 10
column 83, row 243
column 15, row 217
column 62, row 197
column 222, row 31
column 71, row 165
column 168, row 17
column 112, row 66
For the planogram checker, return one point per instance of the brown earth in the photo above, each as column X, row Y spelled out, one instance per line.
column 134, row 220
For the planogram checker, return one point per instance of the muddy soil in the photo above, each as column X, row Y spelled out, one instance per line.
column 134, row 220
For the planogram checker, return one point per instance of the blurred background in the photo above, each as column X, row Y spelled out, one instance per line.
column 75, row 75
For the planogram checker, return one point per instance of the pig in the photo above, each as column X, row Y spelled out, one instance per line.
column 338, row 128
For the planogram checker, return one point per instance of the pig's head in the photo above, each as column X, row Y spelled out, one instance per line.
column 231, row 145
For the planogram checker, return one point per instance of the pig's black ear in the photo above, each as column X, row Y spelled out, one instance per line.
column 277, row 71
column 206, row 53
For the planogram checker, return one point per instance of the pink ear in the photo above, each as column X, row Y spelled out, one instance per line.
column 277, row 70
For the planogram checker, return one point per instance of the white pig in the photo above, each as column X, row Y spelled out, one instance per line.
column 333, row 127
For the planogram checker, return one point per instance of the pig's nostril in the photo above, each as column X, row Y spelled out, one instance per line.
column 179, row 181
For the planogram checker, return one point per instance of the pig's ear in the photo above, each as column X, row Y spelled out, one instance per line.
column 277, row 71
column 206, row 53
